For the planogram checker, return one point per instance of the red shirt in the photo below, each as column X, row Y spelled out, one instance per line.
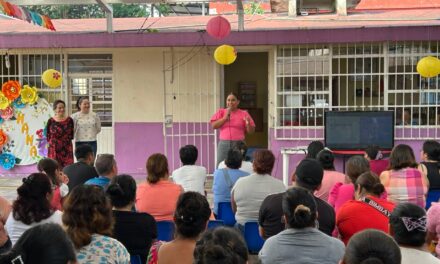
column 378, row 166
column 355, row 216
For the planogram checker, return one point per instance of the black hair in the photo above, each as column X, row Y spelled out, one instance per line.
column 32, row 205
column 83, row 151
column 191, row 215
column 372, row 151
column 55, row 104
column 233, row 159
column 222, row 245
column 402, row 156
column 80, row 100
column 432, row 149
column 45, row 243
column 188, row 154
column 242, row 147
column 408, row 213
column 326, row 158
column 49, row 166
column 314, row 148
column 372, row 246
column 299, row 207
column 122, row 190
column 370, row 182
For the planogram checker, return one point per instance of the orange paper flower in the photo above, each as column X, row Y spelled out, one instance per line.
column 11, row 89
column 3, row 137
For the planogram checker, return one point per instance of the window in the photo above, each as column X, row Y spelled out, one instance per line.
column 365, row 76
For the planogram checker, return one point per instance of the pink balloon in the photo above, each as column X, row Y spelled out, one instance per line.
column 218, row 27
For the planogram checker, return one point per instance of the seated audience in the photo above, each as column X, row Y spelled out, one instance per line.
column 88, row 220
column 375, row 158
column 249, row 192
column 430, row 164
column 158, row 186
column 224, row 179
column 106, row 168
column 408, row 227
column 433, row 226
column 341, row 193
column 372, row 247
column 32, row 206
column 41, row 244
column 190, row 176
column 366, row 211
column 246, row 165
column 60, row 189
column 222, row 245
column 313, row 149
column 331, row 176
column 403, row 181
column 191, row 218
column 301, row 242
column 134, row 230
column 5, row 210
column 83, row 170
column 308, row 175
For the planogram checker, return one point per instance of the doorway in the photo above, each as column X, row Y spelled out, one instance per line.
column 248, row 77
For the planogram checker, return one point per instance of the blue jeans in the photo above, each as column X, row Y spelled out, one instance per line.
column 92, row 144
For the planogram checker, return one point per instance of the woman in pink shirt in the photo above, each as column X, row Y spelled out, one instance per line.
column 233, row 124
column 331, row 176
column 375, row 158
column 158, row 196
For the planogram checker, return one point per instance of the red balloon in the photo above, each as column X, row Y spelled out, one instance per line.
column 218, row 27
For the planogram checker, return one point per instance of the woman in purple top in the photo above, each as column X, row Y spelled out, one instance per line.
column 375, row 158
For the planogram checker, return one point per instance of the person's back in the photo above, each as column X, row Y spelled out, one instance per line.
column 81, row 171
column 379, row 166
column 191, row 178
column 414, row 188
column 106, row 168
column 433, row 174
column 246, row 166
column 330, row 178
column 224, row 180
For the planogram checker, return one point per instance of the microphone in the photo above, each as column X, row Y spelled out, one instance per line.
column 228, row 117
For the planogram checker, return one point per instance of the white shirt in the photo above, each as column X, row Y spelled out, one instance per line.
column 250, row 191
column 16, row 228
column 412, row 255
column 87, row 126
column 191, row 177
column 246, row 166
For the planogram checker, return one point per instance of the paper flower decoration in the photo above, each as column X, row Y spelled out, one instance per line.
column 7, row 113
column 4, row 101
column 28, row 95
column 225, row 55
column 52, row 78
column 17, row 103
column 428, row 67
column 11, row 89
column 218, row 27
column 7, row 160
column 3, row 137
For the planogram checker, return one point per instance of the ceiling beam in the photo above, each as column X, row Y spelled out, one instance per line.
column 108, row 14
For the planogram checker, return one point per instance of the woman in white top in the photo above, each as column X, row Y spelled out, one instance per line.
column 87, row 124
column 32, row 206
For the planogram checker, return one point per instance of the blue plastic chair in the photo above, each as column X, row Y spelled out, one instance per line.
column 433, row 196
column 165, row 230
column 215, row 223
column 225, row 213
column 135, row 259
column 252, row 237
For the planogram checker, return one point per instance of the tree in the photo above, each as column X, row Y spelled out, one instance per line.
column 253, row 8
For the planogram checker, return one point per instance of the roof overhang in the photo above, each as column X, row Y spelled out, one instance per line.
column 91, row 2
column 190, row 39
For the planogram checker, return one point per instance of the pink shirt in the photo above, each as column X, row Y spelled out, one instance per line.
column 235, row 127
column 379, row 166
column 158, row 199
column 341, row 193
column 433, row 222
column 328, row 181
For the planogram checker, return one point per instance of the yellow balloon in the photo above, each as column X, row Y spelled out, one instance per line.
column 428, row 67
column 52, row 78
column 225, row 55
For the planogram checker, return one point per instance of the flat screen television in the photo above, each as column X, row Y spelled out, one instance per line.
column 355, row 130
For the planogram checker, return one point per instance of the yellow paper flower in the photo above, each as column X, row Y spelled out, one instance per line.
column 4, row 101
column 29, row 94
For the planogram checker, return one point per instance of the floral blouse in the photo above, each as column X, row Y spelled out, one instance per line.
column 87, row 126
column 103, row 250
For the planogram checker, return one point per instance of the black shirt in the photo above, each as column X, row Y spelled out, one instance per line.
column 78, row 173
column 271, row 213
column 433, row 174
column 135, row 231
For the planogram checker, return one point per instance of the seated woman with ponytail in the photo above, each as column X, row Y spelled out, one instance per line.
column 301, row 242
column 59, row 181
column 366, row 211
column 190, row 218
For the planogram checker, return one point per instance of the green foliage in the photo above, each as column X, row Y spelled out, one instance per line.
column 253, row 8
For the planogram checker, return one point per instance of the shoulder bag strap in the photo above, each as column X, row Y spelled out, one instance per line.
column 376, row 206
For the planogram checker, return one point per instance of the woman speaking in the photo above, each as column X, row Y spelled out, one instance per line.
column 233, row 123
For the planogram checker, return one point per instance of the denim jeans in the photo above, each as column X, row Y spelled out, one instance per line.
column 92, row 144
